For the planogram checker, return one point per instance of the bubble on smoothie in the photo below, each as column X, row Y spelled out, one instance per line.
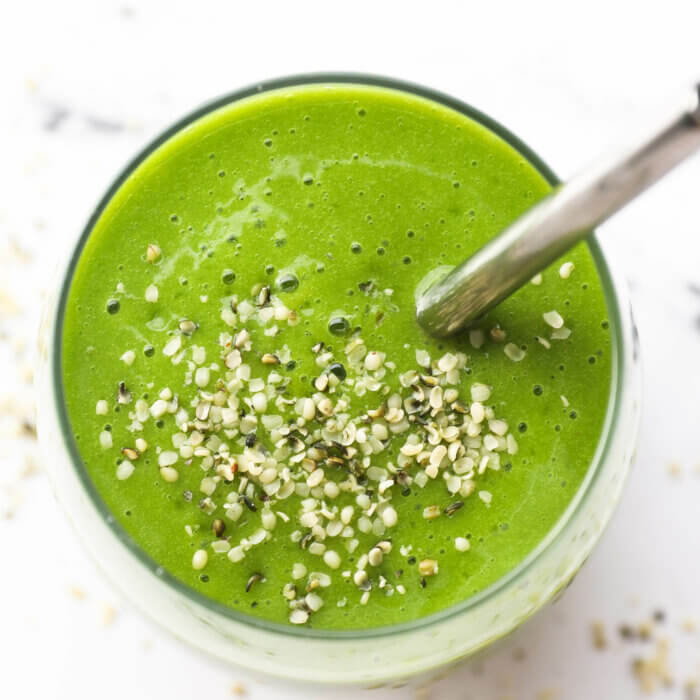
column 339, row 325
column 288, row 282
column 268, row 143
column 279, row 238
column 228, row 276
column 356, row 248
column 308, row 179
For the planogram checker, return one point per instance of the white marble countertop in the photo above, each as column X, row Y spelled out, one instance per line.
column 86, row 84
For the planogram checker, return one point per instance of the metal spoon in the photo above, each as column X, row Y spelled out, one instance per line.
column 554, row 225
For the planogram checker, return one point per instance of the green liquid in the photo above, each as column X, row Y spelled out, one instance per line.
column 338, row 186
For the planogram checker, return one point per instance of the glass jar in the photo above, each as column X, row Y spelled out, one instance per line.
column 371, row 656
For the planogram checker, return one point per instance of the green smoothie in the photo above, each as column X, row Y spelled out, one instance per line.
column 253, row 399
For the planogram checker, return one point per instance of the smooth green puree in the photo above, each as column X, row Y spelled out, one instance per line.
column 251, row 394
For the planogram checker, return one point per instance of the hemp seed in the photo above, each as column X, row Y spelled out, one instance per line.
column 553, row 319
column 428, row 567
column 375, row 556
column 298, row 616
column 462, row 544
column 153, row 252
column 565, row 270
column 199, row 559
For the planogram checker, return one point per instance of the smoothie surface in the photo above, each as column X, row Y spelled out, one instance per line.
column 307, row 217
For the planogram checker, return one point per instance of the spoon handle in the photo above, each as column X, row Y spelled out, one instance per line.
column 554, row 225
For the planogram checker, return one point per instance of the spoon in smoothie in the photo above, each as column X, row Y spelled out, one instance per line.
column 554, row 225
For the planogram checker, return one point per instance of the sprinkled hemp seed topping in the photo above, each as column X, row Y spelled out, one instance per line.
column 257, row 443
column 152, row 253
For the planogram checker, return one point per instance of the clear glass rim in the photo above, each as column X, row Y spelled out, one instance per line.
column 594, row 470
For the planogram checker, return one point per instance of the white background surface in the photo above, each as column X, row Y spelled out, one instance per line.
column 83, row 85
